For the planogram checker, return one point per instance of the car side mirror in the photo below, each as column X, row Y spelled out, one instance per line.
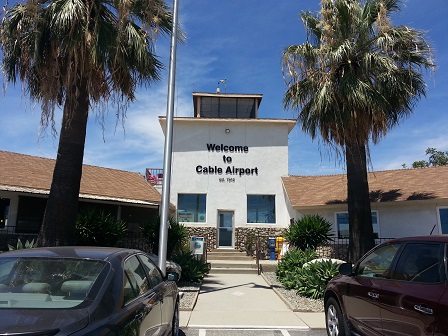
column 172, row 276
column 346, row 269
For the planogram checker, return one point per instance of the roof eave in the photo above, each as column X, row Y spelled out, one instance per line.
column 82, row 196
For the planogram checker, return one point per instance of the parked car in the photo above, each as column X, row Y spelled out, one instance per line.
column 86, row 291
column 398, row 288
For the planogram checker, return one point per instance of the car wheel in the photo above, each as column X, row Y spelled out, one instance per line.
column 336, row 325
column 175, row 322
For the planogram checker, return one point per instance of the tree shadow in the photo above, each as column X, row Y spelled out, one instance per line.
column 209, row 288
column 385, row 196
column 421, row 196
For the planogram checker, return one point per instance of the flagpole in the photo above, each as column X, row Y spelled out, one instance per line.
column 164, row 216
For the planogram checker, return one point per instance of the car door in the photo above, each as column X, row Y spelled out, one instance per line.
column 441, row 328
column 410, row 302
column 141, row 301
column 363, row 289
column 165, row 291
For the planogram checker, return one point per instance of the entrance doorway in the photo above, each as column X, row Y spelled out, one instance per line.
column 225, row 229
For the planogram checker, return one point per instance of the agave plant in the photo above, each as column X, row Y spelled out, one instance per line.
column 309, row 232
column 177, row 235
column 20, row 245
column 312, row 280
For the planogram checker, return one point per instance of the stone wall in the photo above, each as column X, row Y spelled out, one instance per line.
column 209, row 234
column 246, row 239
column 334, row 251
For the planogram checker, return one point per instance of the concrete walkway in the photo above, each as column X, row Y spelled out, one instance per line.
column 244, row 301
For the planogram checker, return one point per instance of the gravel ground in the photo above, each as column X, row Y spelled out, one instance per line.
column 296, row 302
column 190, row 291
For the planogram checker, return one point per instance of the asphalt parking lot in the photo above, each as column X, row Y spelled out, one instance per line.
column 250, row 332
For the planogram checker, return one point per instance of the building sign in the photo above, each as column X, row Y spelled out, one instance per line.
column 185, row 216
column 227, row 159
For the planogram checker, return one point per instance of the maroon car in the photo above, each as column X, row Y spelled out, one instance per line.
column 86, row 291
column 397, row 288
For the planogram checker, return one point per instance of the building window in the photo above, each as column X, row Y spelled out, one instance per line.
column 443, row 217
column 235, row 108
column 30, row 214
column 191, row 207
column 261, row 208
column 4, row 212
column 342, row 224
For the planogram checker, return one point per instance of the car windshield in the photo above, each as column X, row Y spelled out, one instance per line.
column 46, row 282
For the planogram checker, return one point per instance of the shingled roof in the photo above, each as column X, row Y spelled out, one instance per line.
column 31, row 174
column 385, row 186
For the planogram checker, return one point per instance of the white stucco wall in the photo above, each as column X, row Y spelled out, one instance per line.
column 408, row 219
column 267, row 144
column 395, row 219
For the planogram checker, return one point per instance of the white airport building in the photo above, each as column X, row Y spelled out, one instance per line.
column 230, row 179
column 227, row 166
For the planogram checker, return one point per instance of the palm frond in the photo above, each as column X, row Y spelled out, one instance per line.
column 106, row 44
column 361, row 77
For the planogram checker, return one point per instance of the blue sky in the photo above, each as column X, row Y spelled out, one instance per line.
column 240, row 41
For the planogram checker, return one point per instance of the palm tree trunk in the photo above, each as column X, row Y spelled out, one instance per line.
column 58, row 225
column 359, row 211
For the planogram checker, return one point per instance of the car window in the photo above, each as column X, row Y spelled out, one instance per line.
column 153, row 272
column 135, row 281
column 420, row 262
column 378, row 262
column 47, row 282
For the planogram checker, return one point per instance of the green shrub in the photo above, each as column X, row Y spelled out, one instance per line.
column 20, row 245
column 309, row 232
column 98, row 228
column 312, row 280
column 193, row 269
column 292, row 261
column 289, row 279
column 177, row 235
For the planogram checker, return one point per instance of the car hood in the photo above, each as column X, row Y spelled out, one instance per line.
column 34, row 322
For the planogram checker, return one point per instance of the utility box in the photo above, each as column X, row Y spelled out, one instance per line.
column 197, row 245
column 278, row 246
column 272, row 245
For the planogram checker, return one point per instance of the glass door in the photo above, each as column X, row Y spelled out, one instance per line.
column 225, row 229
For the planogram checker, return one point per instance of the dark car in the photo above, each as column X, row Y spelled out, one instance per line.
column 86, row 291
column 398, row 288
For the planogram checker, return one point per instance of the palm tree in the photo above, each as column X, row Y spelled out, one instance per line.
column 79, row 55
column 355, row 78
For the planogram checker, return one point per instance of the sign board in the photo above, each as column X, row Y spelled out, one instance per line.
column 185, row 216
column 197, row 245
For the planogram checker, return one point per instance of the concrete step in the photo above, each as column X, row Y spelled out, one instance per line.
column 228, row 257
column 233, row 270
column 223, row 264
column 231, row 261
column 227, row 254
column 246, row 266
